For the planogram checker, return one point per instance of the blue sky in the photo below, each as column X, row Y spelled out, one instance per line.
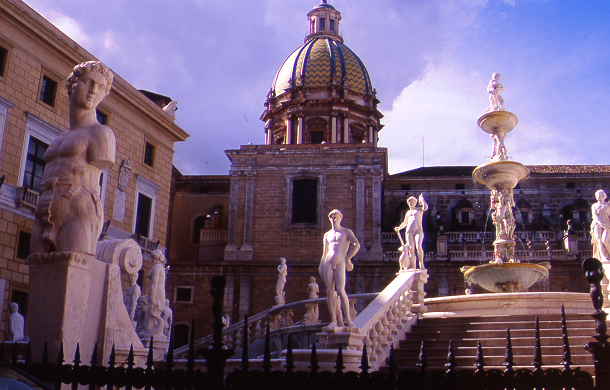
column 430, row 61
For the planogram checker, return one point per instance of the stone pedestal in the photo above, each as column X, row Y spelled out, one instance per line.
column 160, row 346
column 327, row 359
column 76, row 298
column 348, row 338
column 442, row 253
column 59, row 295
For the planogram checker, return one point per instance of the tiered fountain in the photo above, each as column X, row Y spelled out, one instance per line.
column 504, row 273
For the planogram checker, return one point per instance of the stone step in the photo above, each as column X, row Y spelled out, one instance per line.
column 523, row 350
column 574, row 341
column 530, row 317
column 522, row 360
column 588, row 367
column 465, row 332
column 459, row 334
column 506, row 324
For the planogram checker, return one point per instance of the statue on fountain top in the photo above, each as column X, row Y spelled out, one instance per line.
column 496, row 102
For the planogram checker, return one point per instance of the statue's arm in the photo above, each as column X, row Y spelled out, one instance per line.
column 324, row 252
column 102, row 148
column 403, row 224
column 354, row 246
column 422, row 202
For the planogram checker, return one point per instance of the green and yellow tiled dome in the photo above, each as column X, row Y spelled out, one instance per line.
column 322, row 62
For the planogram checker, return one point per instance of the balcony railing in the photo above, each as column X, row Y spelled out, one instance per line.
column 206, row 235
column 534, row 236
column 146, row 244
column 27, row 197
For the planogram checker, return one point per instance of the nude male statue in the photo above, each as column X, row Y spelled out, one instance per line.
column 131, row 297
column 340, row 245
column 69, row 213
column 496, row 102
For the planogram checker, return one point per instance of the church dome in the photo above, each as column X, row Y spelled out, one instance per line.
column 322, row 92
column 323, row 62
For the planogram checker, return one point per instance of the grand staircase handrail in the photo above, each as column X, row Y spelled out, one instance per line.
column 238, row 326
column 386, row 320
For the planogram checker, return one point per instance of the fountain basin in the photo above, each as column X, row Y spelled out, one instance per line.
column 497, row 175
column 506, row 277
column 495, row 122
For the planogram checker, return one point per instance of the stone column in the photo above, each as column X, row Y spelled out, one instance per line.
column 333, row 128
column 376, row 248
column 233, row 205
column 346, row 137
column 300, row 130
column 288, row 139
column 360, row 206
column 244, row 294
column 268, row 133
column 249, row 200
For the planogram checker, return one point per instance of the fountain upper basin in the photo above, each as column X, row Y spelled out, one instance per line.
column 506, row 277
column 497, row 175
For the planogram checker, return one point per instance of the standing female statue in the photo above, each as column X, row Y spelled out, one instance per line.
column 600, row 227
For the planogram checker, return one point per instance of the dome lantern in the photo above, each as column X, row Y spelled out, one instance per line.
column 324, row 22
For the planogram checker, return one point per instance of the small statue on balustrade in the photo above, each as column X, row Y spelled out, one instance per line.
column 312, row 314
column 280, row 295
column 16, row 324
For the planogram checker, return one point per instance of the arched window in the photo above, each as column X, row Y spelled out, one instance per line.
column 198, row 224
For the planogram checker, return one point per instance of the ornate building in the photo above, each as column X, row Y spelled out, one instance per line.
column 35, row 59
column 320, row 153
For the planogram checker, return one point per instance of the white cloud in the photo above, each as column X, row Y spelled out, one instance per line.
column 442, row 107
column 66, row 24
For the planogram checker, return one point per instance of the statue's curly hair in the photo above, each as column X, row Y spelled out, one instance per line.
column 89, row 66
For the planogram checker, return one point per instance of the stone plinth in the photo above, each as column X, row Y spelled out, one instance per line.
column 160, row 346
column 495, row 304
column 76, row 298
column 348, row 338
column 327, row 359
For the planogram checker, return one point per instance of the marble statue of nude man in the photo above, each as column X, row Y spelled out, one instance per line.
column 69, row 214
column 340, row 245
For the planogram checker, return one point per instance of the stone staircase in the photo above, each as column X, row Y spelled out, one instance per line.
column 465, row 332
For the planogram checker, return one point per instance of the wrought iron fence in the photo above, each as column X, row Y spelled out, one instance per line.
column 166, row 376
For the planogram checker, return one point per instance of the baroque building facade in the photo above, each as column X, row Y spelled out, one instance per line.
column 35, row 59
column 320, row 153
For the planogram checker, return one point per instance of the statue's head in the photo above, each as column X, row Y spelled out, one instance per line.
column 496, row 76
column 412, row 201
column 167, row 302
column 312, row 279
column 600, row 195
column 282, row 260
column 89, row 66
column 133, row 278
column 335, row 215
column 13, row 307
column 143, row 302
column 157, row 256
